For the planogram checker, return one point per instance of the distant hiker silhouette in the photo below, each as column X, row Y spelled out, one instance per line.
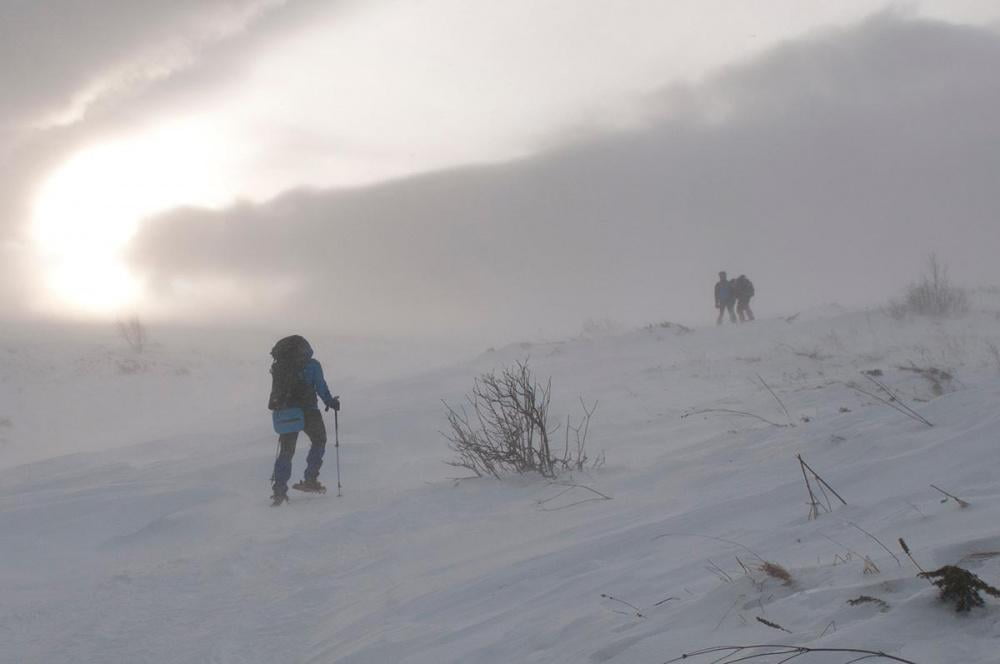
column 296, row 380
column 725, row 298
column 743, row 290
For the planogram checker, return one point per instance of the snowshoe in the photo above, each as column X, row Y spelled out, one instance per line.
column 309, row 486
column 279, row 498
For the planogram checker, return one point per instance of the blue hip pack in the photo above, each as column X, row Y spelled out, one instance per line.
column 288, row 420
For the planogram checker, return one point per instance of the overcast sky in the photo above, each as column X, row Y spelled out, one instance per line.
column 514, row 167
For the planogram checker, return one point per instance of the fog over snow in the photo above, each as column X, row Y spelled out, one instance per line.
column 827, row 169
column 674, row 139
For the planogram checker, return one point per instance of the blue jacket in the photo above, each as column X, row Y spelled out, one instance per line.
column 724, row 293
column 314, row 385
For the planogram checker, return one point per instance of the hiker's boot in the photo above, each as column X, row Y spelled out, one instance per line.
column 279, row 496
column 310, row 486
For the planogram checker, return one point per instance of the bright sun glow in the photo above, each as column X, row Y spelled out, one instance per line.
column 87, row 211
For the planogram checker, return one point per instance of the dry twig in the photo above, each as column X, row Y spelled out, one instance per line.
column 718, row 571
column 906, row 550
column 961, row 503
column 780, row 402
column 749, row 652
column 833, row 624
column 814, row 502
column 877, row 541
column 569, row 486
column 893, row 401
column 730, row 411
column 717, row 539
column 638, row 611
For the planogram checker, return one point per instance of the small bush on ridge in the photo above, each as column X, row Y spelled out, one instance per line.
column 933, row 295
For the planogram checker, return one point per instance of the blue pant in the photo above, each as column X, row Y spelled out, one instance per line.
column 316, row 430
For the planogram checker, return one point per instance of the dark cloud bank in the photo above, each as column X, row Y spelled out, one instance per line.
column 51, row 51
column 826, row 170
column 155, row 57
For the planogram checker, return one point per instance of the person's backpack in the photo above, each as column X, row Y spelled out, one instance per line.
column 747, row 288
column 291, row 355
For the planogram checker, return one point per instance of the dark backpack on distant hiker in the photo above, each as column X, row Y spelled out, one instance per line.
column 744, row 288
column 291, row 355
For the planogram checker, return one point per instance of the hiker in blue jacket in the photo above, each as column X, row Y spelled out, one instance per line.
column 296, row 382
column 725, row 298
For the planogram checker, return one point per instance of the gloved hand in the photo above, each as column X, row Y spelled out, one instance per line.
column 335, row 404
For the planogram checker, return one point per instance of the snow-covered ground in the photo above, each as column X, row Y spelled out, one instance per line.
column 135, row 524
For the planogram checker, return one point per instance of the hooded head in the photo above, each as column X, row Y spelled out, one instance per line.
column 722, row 276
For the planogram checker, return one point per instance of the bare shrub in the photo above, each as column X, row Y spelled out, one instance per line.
column 574, row 455
column 130, row 367
column 960, row 586
column 938, row 378
column 896, row 308
column 504, row 427
column 932, row 295
column 667, row 325
column 596, row 328
column 133, row 333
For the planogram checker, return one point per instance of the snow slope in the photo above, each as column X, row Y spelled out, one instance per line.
column 157, row 544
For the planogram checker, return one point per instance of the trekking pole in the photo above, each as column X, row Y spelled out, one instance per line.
column 336, row 446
